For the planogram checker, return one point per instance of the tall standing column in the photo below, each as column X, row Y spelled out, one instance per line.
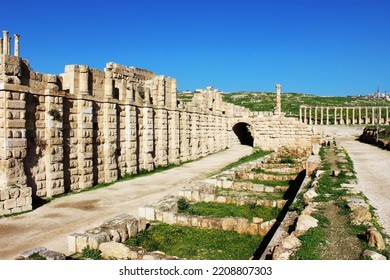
column 335, row 115
column 300, row 114
column 341, row 116
column 353, row 116
column 304, row 115
column 387, row 115
column 83, row 79
column 278, row 108
column 346, row 116
column 379, row 115
column 5, row 43
column 366, row 121
column 322, row 115
column 327, row 115
column 1, row 45
column 315, row 115
column 373, row 115
column 360, row 115
column 310, row 121
column 16, row 46
column 108, row 84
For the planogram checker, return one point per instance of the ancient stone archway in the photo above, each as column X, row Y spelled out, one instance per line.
column 243, row 133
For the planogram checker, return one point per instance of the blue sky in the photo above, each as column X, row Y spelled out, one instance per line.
column 324, row 47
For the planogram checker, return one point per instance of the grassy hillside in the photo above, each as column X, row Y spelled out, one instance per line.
column 265, row 101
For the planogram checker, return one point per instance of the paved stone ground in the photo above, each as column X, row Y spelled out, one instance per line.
column 50, row 224
column 372, row 165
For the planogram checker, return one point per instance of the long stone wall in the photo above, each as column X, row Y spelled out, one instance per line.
column 85, row 127
column 68, row 132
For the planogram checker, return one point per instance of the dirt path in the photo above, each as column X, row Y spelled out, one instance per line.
column 49, row 225
column 372, row 166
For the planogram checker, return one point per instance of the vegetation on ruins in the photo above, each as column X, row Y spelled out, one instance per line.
column 221, row 210
column 335, row 237
column 36, row 257
column 271, row 183
column 196, row 243
column 250, row 194
column 56, row 114
column 257, row 153
column 90, row 254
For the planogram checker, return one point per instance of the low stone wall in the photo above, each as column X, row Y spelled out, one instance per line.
column 118, row 229
column 263, row 176
column 15, row 200
column 197, row 196
column 165, row 211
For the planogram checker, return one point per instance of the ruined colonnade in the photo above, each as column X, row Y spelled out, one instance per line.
column 343, row 115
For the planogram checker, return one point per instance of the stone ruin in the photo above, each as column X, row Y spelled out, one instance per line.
column 108, row 237
column 68, row 132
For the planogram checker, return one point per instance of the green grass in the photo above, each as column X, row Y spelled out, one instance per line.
column 255, row 155
column 36, row 257
column 311, row 240
column 262, row 171
column 250, row 194
column 273, row 183
column 89, row 253
column 230, row 210
column 196, row 243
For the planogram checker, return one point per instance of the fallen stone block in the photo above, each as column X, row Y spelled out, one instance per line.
column 305, row 222
column 373, row 255
column 375, row 239
column 119, row 251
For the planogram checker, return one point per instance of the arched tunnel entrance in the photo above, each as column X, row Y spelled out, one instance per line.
column 243, row 133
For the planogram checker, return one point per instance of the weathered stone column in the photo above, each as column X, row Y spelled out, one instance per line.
column 341, row 116
column 387, row 115
column 366, row 121
column 16, row 46
column 83, row 79
column 327, row 115
column 335, row 115
column 147, row 139
column 379, row 115
column 310, row 120
column 315, row 115
column 147, row 96
column 278, row 108
column 6, row 44
column 373, row 115
column 346, row 116
column 353, row 115
column 1, row 46
column 360, row 115
column 305, row 115
column 108, row 84
column 184, row 136
column 162, row 137
column 300, row 113
column 129, row 92
column 322, row 116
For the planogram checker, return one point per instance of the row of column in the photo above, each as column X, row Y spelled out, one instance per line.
column 344, row 115
column 5, row 44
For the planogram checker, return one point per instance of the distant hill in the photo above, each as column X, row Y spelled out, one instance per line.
column 265, row 101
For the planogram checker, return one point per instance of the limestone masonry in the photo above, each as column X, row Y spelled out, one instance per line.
column 61, row 133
